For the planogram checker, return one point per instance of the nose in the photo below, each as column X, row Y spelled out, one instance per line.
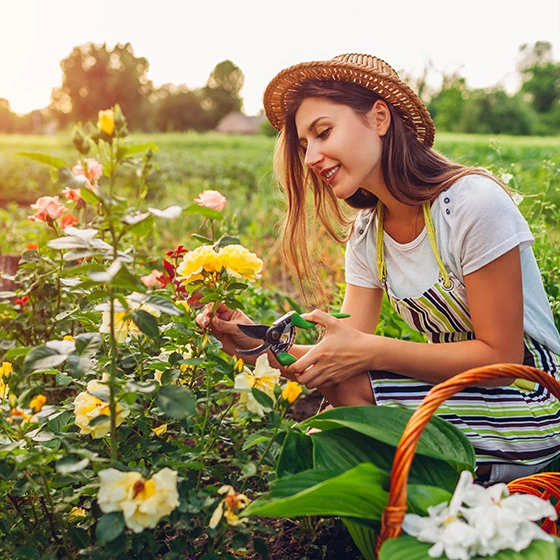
column 312, row 155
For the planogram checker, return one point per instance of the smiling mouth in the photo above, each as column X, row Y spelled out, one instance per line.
column 331, row 172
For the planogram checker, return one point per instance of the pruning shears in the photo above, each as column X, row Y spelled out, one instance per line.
column 278, row 337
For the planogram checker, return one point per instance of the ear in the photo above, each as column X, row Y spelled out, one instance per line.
column 380, row 117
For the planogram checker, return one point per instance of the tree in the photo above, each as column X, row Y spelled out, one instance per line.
column 540, row 75
column 495, row 112
column 221, row 93
column 180, row 109
column 7, row 118
column 447, row 106
column 96, row 77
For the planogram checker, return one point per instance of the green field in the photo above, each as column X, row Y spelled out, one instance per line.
column 240, row 167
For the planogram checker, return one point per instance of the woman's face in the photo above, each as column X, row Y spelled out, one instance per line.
column 342, row 148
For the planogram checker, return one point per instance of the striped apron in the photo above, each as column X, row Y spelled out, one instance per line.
column 517, row 424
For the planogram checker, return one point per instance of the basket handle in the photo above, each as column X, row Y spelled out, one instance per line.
column 393, row 515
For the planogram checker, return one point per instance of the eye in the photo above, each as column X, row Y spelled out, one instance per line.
column 324, row 134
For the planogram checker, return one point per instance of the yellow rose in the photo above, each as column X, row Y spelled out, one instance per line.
column 233, row 502
column 291, row 391
column 240, row 262
column 37, row 402
column 6, row 370
column 160, row 430
column 124, row 325
column 76, row 513
column 202, row 259
column 106, row 122
column 87, row 407
column 142, row 502
column 263, row 377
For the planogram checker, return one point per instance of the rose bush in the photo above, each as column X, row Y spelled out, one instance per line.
column 121, row 420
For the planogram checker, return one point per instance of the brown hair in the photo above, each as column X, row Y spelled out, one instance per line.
column 414, row 173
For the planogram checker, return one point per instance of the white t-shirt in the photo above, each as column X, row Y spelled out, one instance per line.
column 476, row 222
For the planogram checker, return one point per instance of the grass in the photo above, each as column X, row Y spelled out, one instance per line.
column 240, row 167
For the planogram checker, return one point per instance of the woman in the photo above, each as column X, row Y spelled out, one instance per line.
column 445, row 242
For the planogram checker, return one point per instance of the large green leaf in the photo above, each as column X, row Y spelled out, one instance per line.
column 406, row 547
column 296, row 454
column 357, row 493
column 440, row 439
column 342, row 449
column 364, row 537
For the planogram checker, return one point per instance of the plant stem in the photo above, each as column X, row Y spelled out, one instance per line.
column 112, row 379
column 271, row 441
column 50, row 515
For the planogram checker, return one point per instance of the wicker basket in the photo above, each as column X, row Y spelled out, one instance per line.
column 545, row 485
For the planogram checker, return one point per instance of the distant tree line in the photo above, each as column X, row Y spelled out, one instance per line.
column 97, row 77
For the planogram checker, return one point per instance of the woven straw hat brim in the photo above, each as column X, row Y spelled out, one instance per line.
column 381, row 79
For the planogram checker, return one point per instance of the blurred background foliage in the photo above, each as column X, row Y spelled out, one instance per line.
column 96, row 76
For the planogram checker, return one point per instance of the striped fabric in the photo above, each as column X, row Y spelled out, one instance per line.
column 504, row 424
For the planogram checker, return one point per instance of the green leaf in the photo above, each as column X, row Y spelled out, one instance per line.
column 109, row 527
column 406, row 547
column 259, row 546
column 68, row 465
column 342, row 449
column 357, row 493
column 164, row 305
column 262, row 398
column 421, row 496
column 62, row 380
column 42, row 357
column 440, row 439
column 296, row 454
column 59, row 421
column 134, row 149
column 203, row 211
column 363, row 536
column 44, row 158
column 177, row 402
column 226, row 240
column 90, row 196
column 89, row 344
column 256, row 438
column 77, row 365
column 146, row 323
column 202, row 238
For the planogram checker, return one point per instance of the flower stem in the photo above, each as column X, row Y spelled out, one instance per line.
column 112, row 379
column 271, row 441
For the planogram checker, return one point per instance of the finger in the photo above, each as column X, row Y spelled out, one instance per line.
column 321, row 318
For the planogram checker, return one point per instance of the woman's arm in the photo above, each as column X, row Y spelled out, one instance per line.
column 495, row 298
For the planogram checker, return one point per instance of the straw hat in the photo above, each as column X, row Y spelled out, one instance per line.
column 365, row 70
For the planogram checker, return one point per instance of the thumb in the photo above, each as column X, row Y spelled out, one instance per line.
column 321, row 318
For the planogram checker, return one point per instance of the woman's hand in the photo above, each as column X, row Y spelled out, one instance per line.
column 224, row 327
column 341, row 354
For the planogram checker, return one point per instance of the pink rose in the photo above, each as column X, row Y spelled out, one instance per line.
column 152, row 280
column 72, row 194
column 211, row 199
column 91, row 170
column 47, row 207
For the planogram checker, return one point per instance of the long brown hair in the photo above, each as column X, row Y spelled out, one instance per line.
column 413, row 172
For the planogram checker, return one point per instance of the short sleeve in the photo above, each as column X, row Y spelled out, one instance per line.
column 360, row 253
column 485, row 222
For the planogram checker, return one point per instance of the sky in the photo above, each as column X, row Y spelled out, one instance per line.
column 183, row 40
